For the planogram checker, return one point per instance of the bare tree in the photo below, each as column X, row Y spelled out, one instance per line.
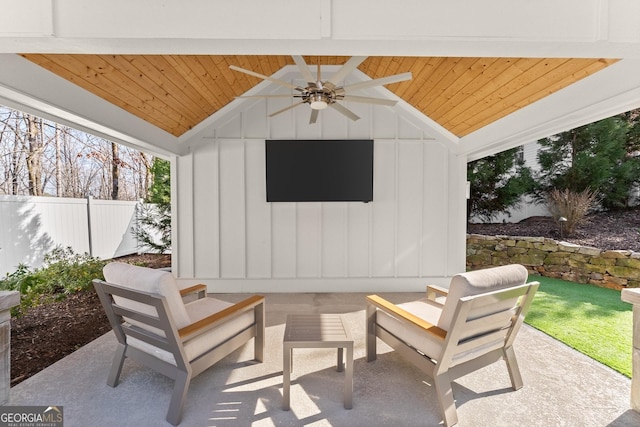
column 115, row 171
column 13, row 142
column 144, row 175
column 58, row 162
column 34, row 147
column 39, row 157
column 6, row 152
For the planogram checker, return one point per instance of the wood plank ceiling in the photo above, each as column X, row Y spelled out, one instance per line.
column 176, row 92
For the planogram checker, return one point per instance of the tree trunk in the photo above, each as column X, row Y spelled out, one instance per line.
column 58, row 163
column 115, row 171
column 15, row 167
column 145, row 175
column 34, row 154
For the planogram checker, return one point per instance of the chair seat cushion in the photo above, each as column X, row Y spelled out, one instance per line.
column 200, row 344
column 416, row 338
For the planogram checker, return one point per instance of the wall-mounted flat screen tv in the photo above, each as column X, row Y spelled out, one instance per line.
column 319, row 170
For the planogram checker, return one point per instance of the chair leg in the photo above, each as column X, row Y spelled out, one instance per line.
column 512, row 367
column 116, row 365
column 180, row 388
column 258, row 342
column 445, row 399
column 371, row 333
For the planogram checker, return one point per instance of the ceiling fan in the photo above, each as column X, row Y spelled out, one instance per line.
column 321, row 94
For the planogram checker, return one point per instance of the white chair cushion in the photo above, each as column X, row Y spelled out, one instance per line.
column 424, row 309
column 478, row 282
column 148, row 280
column 204, row 342
column 205, row 307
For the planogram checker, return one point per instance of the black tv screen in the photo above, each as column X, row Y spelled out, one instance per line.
column 319, row 170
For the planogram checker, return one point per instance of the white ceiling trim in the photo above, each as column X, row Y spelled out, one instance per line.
column 541, row 28
column 614, row 90
column 28, row 87
column 28, row 104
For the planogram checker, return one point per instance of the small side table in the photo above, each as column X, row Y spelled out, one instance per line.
column 317, row 331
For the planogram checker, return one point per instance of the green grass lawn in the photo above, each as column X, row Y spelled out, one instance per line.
column 590, row 319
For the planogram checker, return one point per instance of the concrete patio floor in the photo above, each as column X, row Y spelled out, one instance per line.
column 562, row 386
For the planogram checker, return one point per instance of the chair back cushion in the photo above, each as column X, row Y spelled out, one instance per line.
column 478, row 282
column 148, row 280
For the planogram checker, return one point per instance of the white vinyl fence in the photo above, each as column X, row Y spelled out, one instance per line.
column 32, row 226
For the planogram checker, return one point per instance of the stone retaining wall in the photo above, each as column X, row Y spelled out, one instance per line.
column 551, row 258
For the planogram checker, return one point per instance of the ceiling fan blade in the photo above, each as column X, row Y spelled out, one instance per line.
column 286, row 108
column 262, row 76
column 368, row 100
column 347, row 68
column 344, row 110
column 379, row 82
column 313, row 117
column 266, row 96
column 304, row 69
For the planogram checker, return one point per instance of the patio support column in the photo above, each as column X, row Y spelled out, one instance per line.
column 8, row 299
column 632, row 296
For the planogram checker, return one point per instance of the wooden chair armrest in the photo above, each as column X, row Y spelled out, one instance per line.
column 398, row 312
column 199, row 289
column 435, row 291
column 220, row 317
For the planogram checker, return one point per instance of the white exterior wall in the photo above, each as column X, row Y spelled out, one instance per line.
column 528, row 207
column 230, row 238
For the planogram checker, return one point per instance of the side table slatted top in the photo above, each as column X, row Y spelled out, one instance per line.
column 317, row 331
column 316, row 328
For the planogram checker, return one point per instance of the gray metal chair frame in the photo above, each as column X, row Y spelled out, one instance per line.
column 459, row 355
column 172, row 342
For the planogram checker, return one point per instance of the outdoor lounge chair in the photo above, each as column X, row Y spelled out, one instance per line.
column 156, row 328
column 453, row 332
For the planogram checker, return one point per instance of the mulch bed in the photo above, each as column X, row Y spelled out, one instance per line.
column 603, row 230
column 47, row 333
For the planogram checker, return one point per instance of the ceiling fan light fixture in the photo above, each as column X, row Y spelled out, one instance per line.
column 318, row 101
column 319, row 94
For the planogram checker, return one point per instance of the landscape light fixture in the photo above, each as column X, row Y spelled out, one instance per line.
column 562, row 220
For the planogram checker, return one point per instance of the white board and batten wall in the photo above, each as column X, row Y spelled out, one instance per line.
column 232, row 239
